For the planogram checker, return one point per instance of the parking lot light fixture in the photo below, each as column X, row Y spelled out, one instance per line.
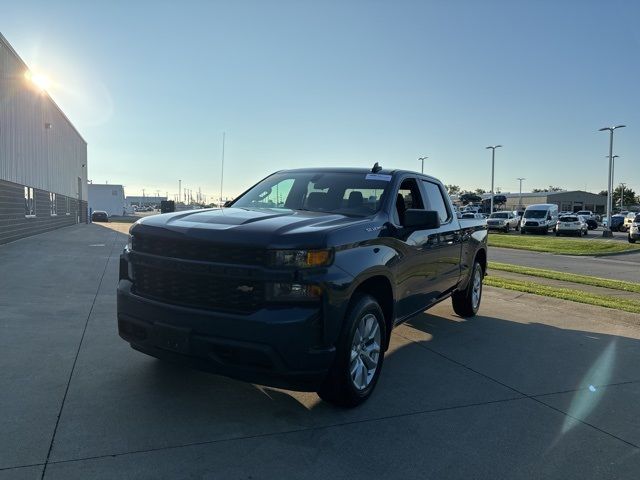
column 493, row 163
column 520, row 196
column 607, row 232
column 422, row 159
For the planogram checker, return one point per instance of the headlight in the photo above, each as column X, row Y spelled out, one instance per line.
column 301, row 258
column 283, row 292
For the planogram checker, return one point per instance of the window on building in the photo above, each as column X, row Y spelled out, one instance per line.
column 53, row 204
column 68, row 209
column 29, row 203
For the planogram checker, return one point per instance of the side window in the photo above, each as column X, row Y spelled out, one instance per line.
column 408, row 197
column 436, row 201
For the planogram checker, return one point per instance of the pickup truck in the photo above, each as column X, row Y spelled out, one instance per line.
column 299, row 281
column 504, row 221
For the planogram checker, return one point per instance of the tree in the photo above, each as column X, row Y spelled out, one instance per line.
column 604, row 193
column 480, row 191
column 550, row 188
column 629, row 196
column 452, row 189
column 470, row 197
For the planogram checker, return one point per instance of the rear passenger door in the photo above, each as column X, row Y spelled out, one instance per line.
column 446, row 244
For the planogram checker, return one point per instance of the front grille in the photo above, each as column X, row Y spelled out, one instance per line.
column 198, row 291
column 199, row 250
column 531, row 224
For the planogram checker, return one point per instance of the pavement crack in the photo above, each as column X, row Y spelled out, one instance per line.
column 288, row 432
column 75, row 359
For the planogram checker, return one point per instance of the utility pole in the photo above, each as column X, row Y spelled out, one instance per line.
column 179, row 190
column 622, row 185
column 520, row 200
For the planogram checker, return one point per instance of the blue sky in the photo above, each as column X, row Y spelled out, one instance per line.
column 152, row 85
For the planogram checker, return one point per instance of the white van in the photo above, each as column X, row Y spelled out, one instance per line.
column 539, row 218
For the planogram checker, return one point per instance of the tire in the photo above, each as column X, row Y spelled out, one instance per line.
column 631, row 240
column 586, row 232
column 340, row 387
column 506, row 228
column 557, row 234
column 465, row 303
column 522, row 231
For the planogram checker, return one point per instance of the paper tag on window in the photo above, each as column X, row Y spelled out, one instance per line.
column 378, row 176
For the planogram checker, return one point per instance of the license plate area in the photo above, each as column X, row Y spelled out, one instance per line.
column 168, row 337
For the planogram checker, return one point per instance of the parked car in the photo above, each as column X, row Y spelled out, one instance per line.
column 629, row 218
column 300, row 281
column 476, row 216
column 587, row 214
column 504, row 221
column 616, row 221
column 634, row 229
column 99, row 216
column 571, row 225
column 540, row 218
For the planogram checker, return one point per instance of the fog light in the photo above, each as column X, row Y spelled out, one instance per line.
column 279, row 292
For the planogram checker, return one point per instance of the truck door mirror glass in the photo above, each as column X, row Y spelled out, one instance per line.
column 422, row 219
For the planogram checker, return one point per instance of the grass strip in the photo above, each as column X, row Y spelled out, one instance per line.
column 561, row 245
column 568, row 277
column 564, row 294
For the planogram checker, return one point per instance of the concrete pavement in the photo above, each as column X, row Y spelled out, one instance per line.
column 531, row 388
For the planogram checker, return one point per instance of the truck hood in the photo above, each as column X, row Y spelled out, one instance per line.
column 247, row 227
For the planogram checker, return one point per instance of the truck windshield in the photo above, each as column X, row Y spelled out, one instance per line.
column 347, row 193
column 535, row 213
column 499, row 215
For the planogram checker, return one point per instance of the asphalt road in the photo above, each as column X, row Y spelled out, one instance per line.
column 624, row 266
column 531, row 388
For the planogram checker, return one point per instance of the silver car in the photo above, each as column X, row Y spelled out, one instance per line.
column 572, row 225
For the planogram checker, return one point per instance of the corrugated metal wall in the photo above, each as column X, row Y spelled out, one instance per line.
column 50, row 159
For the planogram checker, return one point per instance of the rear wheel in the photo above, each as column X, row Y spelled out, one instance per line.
column 506, row 228
column 631, row 240
column 467, row 302
column 359, row 355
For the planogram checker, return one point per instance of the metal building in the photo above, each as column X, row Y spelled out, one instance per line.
column 568, row 201
column 43, row 158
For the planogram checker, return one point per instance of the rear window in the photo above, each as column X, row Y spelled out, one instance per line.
column 499, row 215
column 568, row 219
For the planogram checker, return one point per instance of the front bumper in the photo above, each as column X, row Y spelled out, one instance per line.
column 634, row 234
column 539, row 229
column 496, row 227
column 275, row 346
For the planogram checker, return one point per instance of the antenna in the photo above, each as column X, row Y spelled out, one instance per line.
column 222, row 169
column 376, row 168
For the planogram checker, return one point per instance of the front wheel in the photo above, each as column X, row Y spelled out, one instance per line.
column 506, row 228
column 631, row 240
column 359, row 355
column 467, row 302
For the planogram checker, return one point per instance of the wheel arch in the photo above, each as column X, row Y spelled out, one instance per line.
column 380, row 288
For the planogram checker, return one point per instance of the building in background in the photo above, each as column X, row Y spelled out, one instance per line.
column 567, row 201
column 144, row 201
column 108, row 198
column 43, row 158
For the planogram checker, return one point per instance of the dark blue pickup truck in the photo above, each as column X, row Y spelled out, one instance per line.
column 299, row 282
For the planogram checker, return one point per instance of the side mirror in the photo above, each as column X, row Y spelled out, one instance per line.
column 423, row 219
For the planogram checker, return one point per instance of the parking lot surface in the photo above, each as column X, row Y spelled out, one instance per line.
column 531, row 388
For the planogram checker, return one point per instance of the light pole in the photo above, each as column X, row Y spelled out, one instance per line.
column 520, row 200
column 608, row 232
column 422, row 159
column 493, row 164
column 622, row 185
column 613, row 169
